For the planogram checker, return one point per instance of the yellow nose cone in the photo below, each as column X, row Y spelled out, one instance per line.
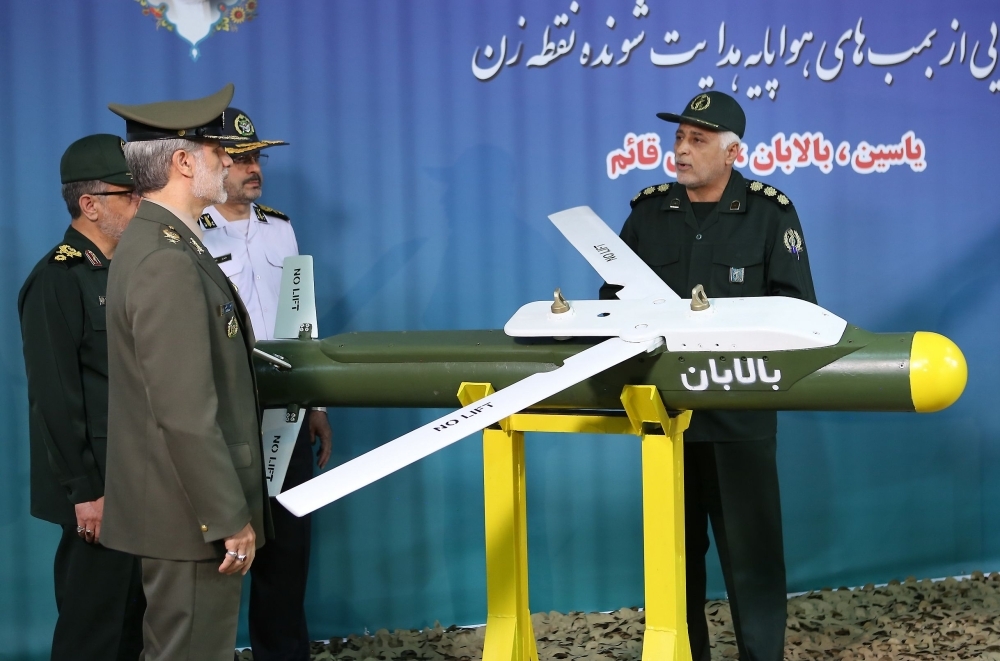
column 937, row 372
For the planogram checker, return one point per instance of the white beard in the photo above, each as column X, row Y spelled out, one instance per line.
column 208, row 185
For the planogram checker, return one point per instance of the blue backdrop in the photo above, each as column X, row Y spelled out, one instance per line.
column 428, row 143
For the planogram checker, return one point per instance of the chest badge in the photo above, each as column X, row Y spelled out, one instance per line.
column 793, row 242
column 197, row 246
column 232, row 327
column 101, row 300
column 736, row 275
column 171, row 235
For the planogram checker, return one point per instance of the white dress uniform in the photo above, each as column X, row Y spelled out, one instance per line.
column 251, row 253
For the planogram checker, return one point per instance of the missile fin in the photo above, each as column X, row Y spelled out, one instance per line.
column 609, row 255
column 296, row 299
column 423, row 441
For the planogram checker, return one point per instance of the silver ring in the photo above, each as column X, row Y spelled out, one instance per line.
column 80, row 529
column 89, row 531
column 232, row 554
column 241, row 558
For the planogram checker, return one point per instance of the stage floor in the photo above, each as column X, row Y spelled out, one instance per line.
column 948, row 619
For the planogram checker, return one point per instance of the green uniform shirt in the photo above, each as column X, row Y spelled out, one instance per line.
column 750, row 244
column 61, row 307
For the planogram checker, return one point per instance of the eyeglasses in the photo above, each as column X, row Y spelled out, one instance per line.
column 246, row 159
column 130, row 193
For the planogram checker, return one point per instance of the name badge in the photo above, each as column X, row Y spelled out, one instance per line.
column 225, row 308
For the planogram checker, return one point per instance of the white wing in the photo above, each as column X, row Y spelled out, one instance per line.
column 279, row 439
column 296, row 299
column 394, row 455
column 608, row 254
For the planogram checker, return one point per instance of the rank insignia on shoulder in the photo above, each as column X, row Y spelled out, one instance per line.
column 771, row 192
column 197, row 246
column 171, row 235
column 793, row 243
column 207, row 221
column 270, row 212
column 650, row 191
column 66, row 253
column 224, row 258
column 92, row 258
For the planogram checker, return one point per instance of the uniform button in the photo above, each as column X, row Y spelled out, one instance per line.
column 204, row 528
column 258, row 277
column 697, row 237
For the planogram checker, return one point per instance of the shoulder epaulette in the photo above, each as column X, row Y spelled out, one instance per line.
column 207, row 221
column 768, row 191
column 651, row 191
column 273, row 212
column 66, row 254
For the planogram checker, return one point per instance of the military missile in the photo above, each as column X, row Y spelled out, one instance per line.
column 922, row 372
column 764, row 353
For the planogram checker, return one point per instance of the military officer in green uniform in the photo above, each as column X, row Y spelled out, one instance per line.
column 61, row 306
column 185, row 487
column 735, row 237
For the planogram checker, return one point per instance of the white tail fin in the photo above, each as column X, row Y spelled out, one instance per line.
column 297, row 299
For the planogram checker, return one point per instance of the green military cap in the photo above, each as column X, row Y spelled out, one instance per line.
column 95, row 158
column 715, row 110
column 236, row 121
column 194, row 119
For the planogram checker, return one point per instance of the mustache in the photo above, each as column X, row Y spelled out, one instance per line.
column 251, row 178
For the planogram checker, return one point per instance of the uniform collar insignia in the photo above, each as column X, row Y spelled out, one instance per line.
column 207, row 221
column 260, row 214
column 198, row 248
column 92, row 258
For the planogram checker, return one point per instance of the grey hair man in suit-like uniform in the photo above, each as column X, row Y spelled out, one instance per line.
column 185, row 486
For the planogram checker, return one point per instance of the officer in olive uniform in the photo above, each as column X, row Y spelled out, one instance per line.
column 61, row 306
column 185, row 488
column 735, row 237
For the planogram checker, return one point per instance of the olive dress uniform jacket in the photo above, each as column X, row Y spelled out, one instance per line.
column 749, row 245
column 184, row 444
column 61, row 307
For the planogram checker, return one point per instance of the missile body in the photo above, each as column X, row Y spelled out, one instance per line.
column 864, row 371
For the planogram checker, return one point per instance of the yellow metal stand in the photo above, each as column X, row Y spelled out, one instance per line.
column 509, row 634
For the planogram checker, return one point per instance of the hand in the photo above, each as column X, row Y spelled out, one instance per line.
column 240, row 545
column 89, row 516
column 319, row 425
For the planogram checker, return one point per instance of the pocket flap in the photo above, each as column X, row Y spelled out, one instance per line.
column 736, row 254
column 661, row 254
column 240, row 454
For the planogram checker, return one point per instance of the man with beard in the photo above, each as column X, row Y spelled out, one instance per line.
column 250, row 242
column 61, row 306
column 185, row 488
column 737, row 238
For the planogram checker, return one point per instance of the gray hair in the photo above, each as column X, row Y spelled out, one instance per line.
column 149, row 161
column 72, row 191
column 726, row 138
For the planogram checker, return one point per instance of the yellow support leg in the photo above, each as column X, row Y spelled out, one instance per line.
column 666, row 637
column 509, row 634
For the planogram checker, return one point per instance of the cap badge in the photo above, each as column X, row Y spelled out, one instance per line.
column 64, row 252
column 232, row 327
column 197, row 246
column 793, row 242
column 701, row 102
column 171, row 235
column 243, row 125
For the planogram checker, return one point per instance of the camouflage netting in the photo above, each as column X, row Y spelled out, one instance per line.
column 941, row 620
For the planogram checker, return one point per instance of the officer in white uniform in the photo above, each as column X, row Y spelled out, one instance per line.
column 250, row 242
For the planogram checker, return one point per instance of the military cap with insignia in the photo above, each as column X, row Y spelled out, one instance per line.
column 95, row 158
column 715, row 110
column 195, row 119
column 237, row 122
